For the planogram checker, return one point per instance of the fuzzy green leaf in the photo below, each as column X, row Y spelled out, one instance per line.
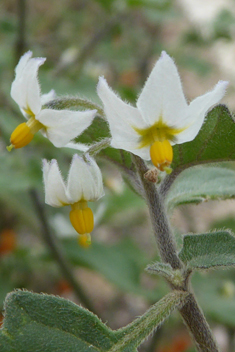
column 202, row 183
column 215, row 141
column 165, row 270
column 43, row 323
column 162, row 269
column 208, row 250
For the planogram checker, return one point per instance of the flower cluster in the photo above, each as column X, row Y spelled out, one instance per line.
column 84, row 184
column 59, row 126
column 160, row 119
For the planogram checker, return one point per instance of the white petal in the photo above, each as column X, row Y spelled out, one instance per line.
column 64, row 125
column 23, row 62
column 45, row 169
column 97, row 178
column 133, row 147
column 45, row 98
column 197, row 111
column 162, row 95
column 54, row 185
column 25, row 89
column 84, row 181
column 143, row 153
column 122, row 118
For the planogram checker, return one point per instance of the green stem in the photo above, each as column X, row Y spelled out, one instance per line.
column 97, row 147
column 57, row 252
column 135, row 333
column 73, row 102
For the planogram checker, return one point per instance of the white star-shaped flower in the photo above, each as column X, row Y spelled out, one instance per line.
column 162, row 117
column 84, row 184
column 59, row 126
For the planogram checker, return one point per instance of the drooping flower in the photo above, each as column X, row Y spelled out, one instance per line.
column 59, row 126
column 84, row 184
column 162, row 117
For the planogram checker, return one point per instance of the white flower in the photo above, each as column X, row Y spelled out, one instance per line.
column 162, row 117
column 84, row 184
column 59, row 126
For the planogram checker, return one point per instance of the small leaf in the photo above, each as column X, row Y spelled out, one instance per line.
column 162, row 269
column 42, row 323
column 214, row 142
column 202, row 183
column 208, row 250
column 165, row 270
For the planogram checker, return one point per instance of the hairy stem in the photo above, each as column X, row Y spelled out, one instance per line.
column 97, row 147
column 136, row 332
column 57, row 252
column 191, row 312
column 198, row 326
column 160, row 223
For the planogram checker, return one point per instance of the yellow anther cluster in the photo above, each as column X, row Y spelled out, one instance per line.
column 82, row 219
column 21, row 136
column 24, row 133
column 161, row 154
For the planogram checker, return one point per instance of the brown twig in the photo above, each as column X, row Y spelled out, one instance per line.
column 20, row 46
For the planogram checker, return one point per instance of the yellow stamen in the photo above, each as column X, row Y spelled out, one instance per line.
column 161, row 154
column 21, row 136
column 84, row 240
column 81, row 218
column 24, row 133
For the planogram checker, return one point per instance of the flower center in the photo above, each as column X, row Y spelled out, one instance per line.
column 158, row 137
column 157, row 132
column 82, row 219
column 24, row 133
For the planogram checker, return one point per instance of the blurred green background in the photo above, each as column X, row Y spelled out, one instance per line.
column 121, row 40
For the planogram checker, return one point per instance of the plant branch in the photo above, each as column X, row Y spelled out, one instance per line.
column 97, row 147
column 160, row 223
column 191, row 312
column 132, row 335
column 57, row 252
column 198, row 326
